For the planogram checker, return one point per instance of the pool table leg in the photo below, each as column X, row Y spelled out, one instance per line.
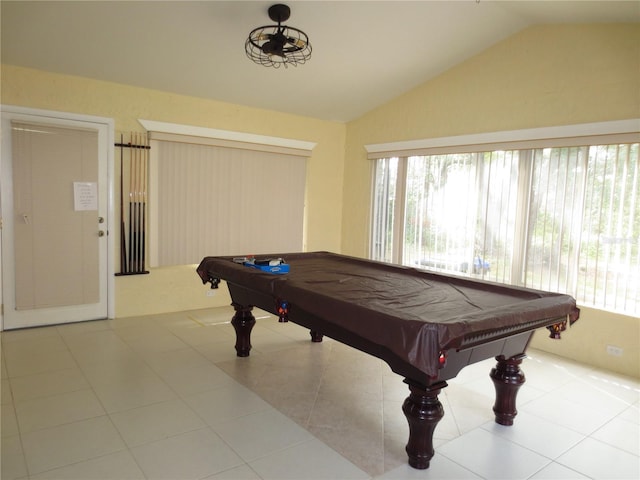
column 243, row 322
column 315, row 336
column 507, row 378
column 423, row 411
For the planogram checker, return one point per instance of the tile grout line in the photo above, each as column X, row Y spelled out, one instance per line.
column 106, row 412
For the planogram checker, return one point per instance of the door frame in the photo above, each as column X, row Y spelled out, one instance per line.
column 35, row 115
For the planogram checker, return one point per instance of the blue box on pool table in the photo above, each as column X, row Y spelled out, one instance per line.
column 269, row 265
column 278, row 269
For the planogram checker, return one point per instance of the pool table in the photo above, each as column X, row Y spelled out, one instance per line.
column 426, row 326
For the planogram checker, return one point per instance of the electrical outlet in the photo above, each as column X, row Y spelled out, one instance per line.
column 614, row 351
column 210, row 293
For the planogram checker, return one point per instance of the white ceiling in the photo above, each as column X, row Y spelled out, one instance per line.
column 364, row 52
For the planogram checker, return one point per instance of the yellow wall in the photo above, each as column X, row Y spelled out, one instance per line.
column 587, row 340
column 155, row 292
column 543, row 76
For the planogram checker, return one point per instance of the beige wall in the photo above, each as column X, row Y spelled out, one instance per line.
column 159, row 291
column 543, row 76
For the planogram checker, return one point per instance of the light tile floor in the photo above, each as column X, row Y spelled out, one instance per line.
column 165, row 397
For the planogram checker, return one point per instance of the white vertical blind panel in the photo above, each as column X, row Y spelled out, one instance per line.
column 227, row 201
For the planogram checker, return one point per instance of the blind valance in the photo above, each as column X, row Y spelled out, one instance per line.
column 602, row 133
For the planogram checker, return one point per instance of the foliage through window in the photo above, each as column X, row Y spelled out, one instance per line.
column 564, row 219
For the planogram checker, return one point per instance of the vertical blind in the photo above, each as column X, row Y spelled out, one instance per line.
column 562, row 218
column 215, row 200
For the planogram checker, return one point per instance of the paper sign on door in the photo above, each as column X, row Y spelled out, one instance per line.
column 85, row 196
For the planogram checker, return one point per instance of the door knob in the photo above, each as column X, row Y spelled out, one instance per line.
column 100, row 233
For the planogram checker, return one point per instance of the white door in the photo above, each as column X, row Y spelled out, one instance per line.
column 55, row 219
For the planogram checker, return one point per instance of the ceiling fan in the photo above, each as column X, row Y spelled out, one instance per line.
column 277, row 45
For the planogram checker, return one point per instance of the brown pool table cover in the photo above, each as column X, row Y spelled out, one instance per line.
column 414, row 313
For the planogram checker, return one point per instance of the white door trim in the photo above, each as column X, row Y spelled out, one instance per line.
column 34, row 114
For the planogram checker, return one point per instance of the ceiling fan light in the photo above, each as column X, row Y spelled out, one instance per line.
column 298, row 42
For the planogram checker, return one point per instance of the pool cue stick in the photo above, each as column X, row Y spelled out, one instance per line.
column 131, row 180
column 138, row 205
column 132, row 245
column 136, row 219
column 123, row 234
column 131, row 205
column 145, row 159
column 140, row 214
column 134, row 151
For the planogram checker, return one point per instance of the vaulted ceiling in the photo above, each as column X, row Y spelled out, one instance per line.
column 364, row 52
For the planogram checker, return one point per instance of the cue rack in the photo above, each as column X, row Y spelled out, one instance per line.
column 134, row 172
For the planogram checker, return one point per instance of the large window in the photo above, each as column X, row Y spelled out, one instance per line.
column 557, row 218
column 215, row 192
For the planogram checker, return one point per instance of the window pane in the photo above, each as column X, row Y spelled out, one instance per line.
column 384, row 202
column 556, row 203
column 497, row 204
column 609, row 265
column 461, row 213
column 439, row 216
